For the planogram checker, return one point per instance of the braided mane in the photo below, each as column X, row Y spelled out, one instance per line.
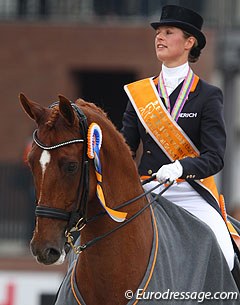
column 53, row 117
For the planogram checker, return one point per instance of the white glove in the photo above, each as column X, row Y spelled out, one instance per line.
column 169, row 172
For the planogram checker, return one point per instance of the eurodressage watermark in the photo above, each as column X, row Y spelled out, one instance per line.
column 200, row 297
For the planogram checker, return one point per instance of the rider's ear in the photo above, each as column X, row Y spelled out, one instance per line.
column 33, row 110
column 66, row 110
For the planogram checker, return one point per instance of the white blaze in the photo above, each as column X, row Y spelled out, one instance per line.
column 44, row 161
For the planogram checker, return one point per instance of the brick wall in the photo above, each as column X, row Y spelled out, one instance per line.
column 37, row 59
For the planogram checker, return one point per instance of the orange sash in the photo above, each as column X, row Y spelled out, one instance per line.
column 167, row 133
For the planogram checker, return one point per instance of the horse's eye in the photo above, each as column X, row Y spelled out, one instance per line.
column 71, row 167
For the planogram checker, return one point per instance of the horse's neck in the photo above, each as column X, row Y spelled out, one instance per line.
column 118, row 262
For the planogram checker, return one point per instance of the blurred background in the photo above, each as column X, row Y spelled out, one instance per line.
column 90, row 49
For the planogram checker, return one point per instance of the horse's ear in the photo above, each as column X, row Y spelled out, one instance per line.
column 33, row 110
column 66, row 110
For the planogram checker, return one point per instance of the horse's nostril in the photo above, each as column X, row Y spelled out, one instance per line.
column 52, row 253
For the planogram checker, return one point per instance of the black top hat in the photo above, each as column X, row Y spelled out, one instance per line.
column 184, row 19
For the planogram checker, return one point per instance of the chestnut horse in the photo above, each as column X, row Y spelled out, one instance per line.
column 83, row 174
column 57, row 174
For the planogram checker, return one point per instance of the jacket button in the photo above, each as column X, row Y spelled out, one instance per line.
column 150, row 172
column 149, row 152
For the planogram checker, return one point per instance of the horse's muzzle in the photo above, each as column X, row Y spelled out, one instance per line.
column 48, row 255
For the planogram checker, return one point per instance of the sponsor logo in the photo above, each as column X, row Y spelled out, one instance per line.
column 188, row 115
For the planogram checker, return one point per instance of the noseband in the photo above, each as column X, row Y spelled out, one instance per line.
column 77, row 217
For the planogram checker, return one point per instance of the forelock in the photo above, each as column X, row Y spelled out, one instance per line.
column 54, row 115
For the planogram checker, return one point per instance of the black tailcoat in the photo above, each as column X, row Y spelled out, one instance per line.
column 202, row 120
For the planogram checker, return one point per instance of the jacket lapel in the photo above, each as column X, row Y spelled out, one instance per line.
column 173, row 96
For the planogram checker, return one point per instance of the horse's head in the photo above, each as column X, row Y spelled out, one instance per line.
column 72, row 175
column 58, row 160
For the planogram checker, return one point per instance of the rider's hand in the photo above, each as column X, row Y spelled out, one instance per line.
column 169, row 172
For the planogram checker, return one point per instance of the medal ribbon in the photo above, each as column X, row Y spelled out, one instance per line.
column 182, row 97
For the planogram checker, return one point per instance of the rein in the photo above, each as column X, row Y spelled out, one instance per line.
column 131, row 200
column 81, row 248
column 77, row 219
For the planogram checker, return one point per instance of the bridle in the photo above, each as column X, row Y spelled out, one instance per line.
column 77, row 219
